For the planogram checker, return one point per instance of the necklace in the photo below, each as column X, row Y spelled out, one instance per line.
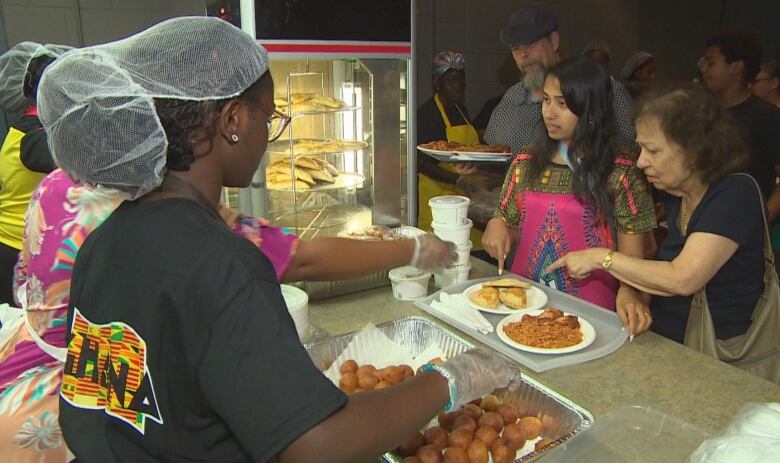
column 683, row 218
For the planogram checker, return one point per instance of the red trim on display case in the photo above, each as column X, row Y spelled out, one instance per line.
column 336, row 48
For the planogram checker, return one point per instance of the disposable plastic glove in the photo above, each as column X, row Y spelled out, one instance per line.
column 475, row 373
column 431, row 253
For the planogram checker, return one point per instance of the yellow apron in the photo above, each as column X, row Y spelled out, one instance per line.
column 428, row 188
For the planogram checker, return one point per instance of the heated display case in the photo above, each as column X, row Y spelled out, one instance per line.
column 341, row 72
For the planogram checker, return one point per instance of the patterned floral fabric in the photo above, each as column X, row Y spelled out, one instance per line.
column 551, row 221
column 60, row 216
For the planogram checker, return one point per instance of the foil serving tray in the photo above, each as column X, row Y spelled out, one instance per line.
column 561, row 418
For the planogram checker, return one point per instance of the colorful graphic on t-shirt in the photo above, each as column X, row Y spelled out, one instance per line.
column 106, row 369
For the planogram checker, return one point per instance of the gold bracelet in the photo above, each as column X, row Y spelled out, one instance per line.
column 607, row 262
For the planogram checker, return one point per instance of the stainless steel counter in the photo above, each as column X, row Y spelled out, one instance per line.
column 652, row 371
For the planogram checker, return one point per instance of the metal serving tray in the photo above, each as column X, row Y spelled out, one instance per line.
column 562, row 419
column 610, row 334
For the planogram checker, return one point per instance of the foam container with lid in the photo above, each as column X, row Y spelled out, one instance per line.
column 458, row 234
column 449, row 209
column 298, row 305
column 409, row 283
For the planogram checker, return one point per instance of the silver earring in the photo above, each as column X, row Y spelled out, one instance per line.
column 234, row 137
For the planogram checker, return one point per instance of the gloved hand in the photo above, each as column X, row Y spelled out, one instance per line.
column 431, row 253
column 475, row 373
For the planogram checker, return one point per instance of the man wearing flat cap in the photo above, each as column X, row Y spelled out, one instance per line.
column 532, row 34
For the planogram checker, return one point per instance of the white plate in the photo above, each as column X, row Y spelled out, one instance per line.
column 460, row 156
column 536, row 299
column 588, row 334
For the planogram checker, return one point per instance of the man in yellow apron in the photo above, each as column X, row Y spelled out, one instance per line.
column 444, row 117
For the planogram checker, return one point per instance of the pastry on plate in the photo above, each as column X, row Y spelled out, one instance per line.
column 507, row 283
column 307, row 162
column 514, row 298
column 321, row 175
column 485, row 297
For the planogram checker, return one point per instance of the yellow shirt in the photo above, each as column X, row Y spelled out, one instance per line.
column 17, row 184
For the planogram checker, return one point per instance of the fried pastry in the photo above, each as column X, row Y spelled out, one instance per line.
column 507, row 283
column 307, row 162
column 321, row 175
column 485, row 297
column 514, row 298
column 284, row 170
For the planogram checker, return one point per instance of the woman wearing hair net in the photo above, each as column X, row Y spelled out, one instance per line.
column 179, row 344
column 24, row 155
column 60, row 216
column 444, row 117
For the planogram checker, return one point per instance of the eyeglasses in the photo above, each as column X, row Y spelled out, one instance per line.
column 276, row 125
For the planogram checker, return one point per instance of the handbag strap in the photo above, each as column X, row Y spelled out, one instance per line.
column 768, row 254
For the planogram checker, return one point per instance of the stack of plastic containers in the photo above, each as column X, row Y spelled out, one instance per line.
column 450, row 223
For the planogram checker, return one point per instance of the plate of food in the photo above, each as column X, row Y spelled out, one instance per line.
column 546, row 331
column 446, row 151
column 505, row 296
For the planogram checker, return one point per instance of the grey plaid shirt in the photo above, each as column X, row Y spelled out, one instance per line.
column 515, row 118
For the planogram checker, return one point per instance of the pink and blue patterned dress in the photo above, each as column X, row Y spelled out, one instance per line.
column 551, row 220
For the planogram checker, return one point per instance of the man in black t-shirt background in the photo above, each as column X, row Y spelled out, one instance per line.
column 731, row 61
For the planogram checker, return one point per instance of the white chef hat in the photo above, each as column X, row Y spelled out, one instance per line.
column 97, row 103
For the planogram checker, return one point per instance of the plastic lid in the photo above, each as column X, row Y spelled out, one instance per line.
column 407, row 273
column 295, row 298
column 449, row 201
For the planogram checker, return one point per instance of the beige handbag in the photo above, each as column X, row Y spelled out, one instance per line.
column 757, row 350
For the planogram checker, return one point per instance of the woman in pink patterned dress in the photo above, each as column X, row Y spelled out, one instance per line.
column 572, row 189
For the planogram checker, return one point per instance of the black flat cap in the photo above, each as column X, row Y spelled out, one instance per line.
column 528, row 25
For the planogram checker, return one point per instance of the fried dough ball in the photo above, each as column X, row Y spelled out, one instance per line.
column 544, row 442
column 490, row 403
column 531, row 426
column 514, row 434
column 510, row 445
column 456, row 455
column 465, row 421
column 501, row 453
column 493, row 420
column 429, row 454
column 508, row 412
column 406, row 371
column 411, row 445
column 437, row 436
column 382, row 385
column 472, row 411
column 446, row 420
column 411, row 460
column 477, row 452
column 350, row 366
column 348, row 382
column 391, row 374
column 366, row 369
column 460, row 437
column 487, row 435
column 367, row 382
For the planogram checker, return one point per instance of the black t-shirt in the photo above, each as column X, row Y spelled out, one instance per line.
column 729, row 208
column 181, row 324
column 34, row 149
column 761, row 120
